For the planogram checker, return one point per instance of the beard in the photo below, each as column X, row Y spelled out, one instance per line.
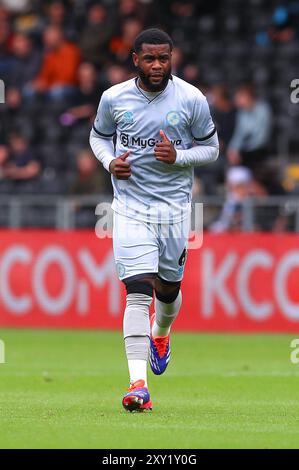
column 152, row 86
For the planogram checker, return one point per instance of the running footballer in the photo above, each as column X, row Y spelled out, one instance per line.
column 163, row 129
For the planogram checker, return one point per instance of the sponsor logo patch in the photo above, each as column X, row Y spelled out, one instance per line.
column 135, row 141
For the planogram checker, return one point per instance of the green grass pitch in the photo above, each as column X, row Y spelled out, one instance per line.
column 63, row 389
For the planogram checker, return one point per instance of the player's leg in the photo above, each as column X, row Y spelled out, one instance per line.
column 136, row 328
column 136, row 255
column 168, row 301
column 167, row 305
column 172, row 261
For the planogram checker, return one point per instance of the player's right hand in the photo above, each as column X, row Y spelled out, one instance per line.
column 120, row 168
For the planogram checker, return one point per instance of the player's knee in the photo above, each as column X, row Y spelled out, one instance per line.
column 168, row 291
column 168, row 297
column 141, row 284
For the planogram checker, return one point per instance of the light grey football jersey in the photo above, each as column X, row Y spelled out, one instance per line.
column 156, row 191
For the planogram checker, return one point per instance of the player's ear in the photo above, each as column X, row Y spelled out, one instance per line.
column 135, row 59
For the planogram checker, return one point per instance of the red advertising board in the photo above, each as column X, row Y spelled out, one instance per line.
column 234, row 282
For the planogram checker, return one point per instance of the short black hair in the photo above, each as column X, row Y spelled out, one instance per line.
column 152, row 36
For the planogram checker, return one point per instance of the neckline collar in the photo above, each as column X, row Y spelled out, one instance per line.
column 157, row 94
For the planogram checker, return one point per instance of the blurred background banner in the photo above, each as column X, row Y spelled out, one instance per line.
column 236, row 282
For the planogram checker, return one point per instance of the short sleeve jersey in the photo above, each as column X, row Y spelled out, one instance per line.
column 156, row 191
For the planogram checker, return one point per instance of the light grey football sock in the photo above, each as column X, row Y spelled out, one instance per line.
column 137, row 347
column 165, row 314
column 136, row 326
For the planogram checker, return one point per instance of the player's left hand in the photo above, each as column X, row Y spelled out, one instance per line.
column 165, row 151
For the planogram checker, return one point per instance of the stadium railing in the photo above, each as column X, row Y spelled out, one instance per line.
column 72, row 212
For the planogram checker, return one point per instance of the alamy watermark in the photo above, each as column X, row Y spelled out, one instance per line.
column 2, row 91
column 158, row 220
column 294, row 357
column 2, row 352
column 294, row 96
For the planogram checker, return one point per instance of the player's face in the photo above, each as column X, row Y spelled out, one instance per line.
column 154, row 65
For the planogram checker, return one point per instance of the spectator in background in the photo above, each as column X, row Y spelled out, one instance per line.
column 191, row 74
column 284, row 23
column 17, row 6
column 58, row 75
column 26, row 61
column 5, row 43
column 115, row 74
column 184, row 16
column 95, row 35
column 143, row 10
column 128, row 9
column 21, row 164
column 30, row 21
column 3, row 158
column 249, row 143
column 91, row 178
column 238, row 183
column 57, row 15
column 177, row 61
column 121, row 46
column 184, row 9
column 13, row 115
column 85, row 100
column 224, row 115
column 268, row 218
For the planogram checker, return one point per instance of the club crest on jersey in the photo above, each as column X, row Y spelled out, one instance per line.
column 121, row 270
column 173, row 118
column 128, row 117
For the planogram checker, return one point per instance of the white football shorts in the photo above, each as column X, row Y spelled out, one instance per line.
column 144, row 247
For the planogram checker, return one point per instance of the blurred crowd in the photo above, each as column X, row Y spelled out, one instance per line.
column 57, row 57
